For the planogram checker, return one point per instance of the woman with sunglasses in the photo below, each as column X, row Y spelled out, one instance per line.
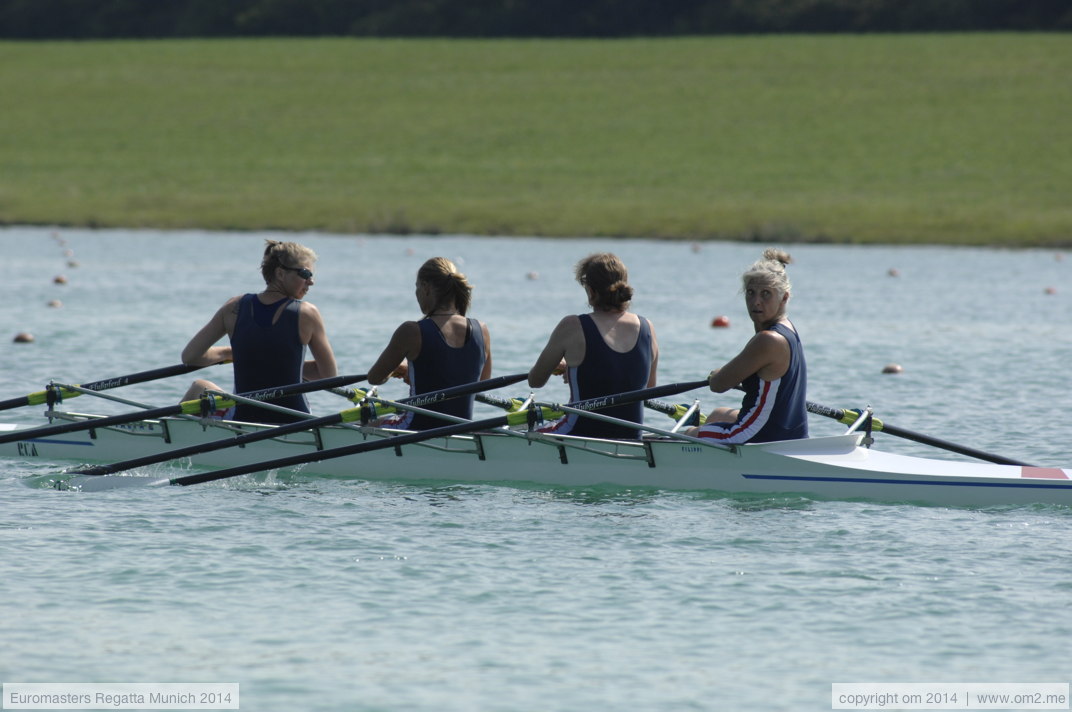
column 268, row 334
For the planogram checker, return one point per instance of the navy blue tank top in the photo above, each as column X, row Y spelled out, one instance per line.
column 788, row 419
column 440, row 365
column 267, row 355
column 605, row 372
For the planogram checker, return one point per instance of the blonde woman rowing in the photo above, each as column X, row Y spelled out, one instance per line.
column 770, row 368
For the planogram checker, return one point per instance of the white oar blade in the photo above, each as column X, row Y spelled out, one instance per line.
column 110, row 482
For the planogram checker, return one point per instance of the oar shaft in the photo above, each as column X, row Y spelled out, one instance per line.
column 303, row 458
column 266, row 394
column 244, row 439
column 104, row 384
column 633, row 396
column 444, row 431
column 849, row 416
column 273, row 432
column 426, row 399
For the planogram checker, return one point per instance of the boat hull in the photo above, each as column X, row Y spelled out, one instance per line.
column 833, row 467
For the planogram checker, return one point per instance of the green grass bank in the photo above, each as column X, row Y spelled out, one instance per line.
column 955, row 139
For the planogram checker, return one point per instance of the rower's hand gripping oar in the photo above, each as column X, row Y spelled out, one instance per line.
column 350, row 415
column 517, row 418
column 49, row 395
column 848, row 417
column 190, row 407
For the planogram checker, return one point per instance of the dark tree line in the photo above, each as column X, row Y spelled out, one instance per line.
column 83, row 19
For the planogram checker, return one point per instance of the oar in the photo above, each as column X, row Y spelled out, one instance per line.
column 190, row 407
column 40, row 397
column 349, row 415
column 677, row 411
column 473, row 426
column 848, row 417
column 507, row 404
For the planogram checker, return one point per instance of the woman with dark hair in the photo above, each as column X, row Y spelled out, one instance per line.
column 610, row 350
column 443, row 349
column 268, row 333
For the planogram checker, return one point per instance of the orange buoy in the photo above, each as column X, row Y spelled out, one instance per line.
column 720, row 321
column 892, row 368
column 23, row 337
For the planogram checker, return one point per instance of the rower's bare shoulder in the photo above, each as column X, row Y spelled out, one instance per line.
column 767, row 342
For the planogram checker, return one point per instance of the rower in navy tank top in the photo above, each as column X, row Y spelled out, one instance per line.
column 267, row 350
column 609, row 351
column 268, row 334
column 441, row 350
column 771, row 368
column 603, row 372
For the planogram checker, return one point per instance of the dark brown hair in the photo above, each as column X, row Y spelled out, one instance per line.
column 608, row 279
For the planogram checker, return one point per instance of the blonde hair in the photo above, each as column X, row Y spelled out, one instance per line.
column 283, row 254
column 608, row 279
column 769, row 271
column 447, row 283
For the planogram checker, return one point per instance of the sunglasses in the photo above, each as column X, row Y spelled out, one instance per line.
column 302, row 272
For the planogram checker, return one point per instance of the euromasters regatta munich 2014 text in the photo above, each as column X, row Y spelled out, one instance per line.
column 115, row 699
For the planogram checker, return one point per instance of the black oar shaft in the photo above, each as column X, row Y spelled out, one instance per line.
column 444, row 431
column 279, row 430
column 426, row 399
column 266, row 394
column 106, row 383
column 303, row 458
column 848, row 416
column 141, row 377
column 274, row 431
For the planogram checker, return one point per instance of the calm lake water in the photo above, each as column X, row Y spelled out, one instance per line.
column 324, row 595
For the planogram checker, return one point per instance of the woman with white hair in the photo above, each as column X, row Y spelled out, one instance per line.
column 770, row 368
